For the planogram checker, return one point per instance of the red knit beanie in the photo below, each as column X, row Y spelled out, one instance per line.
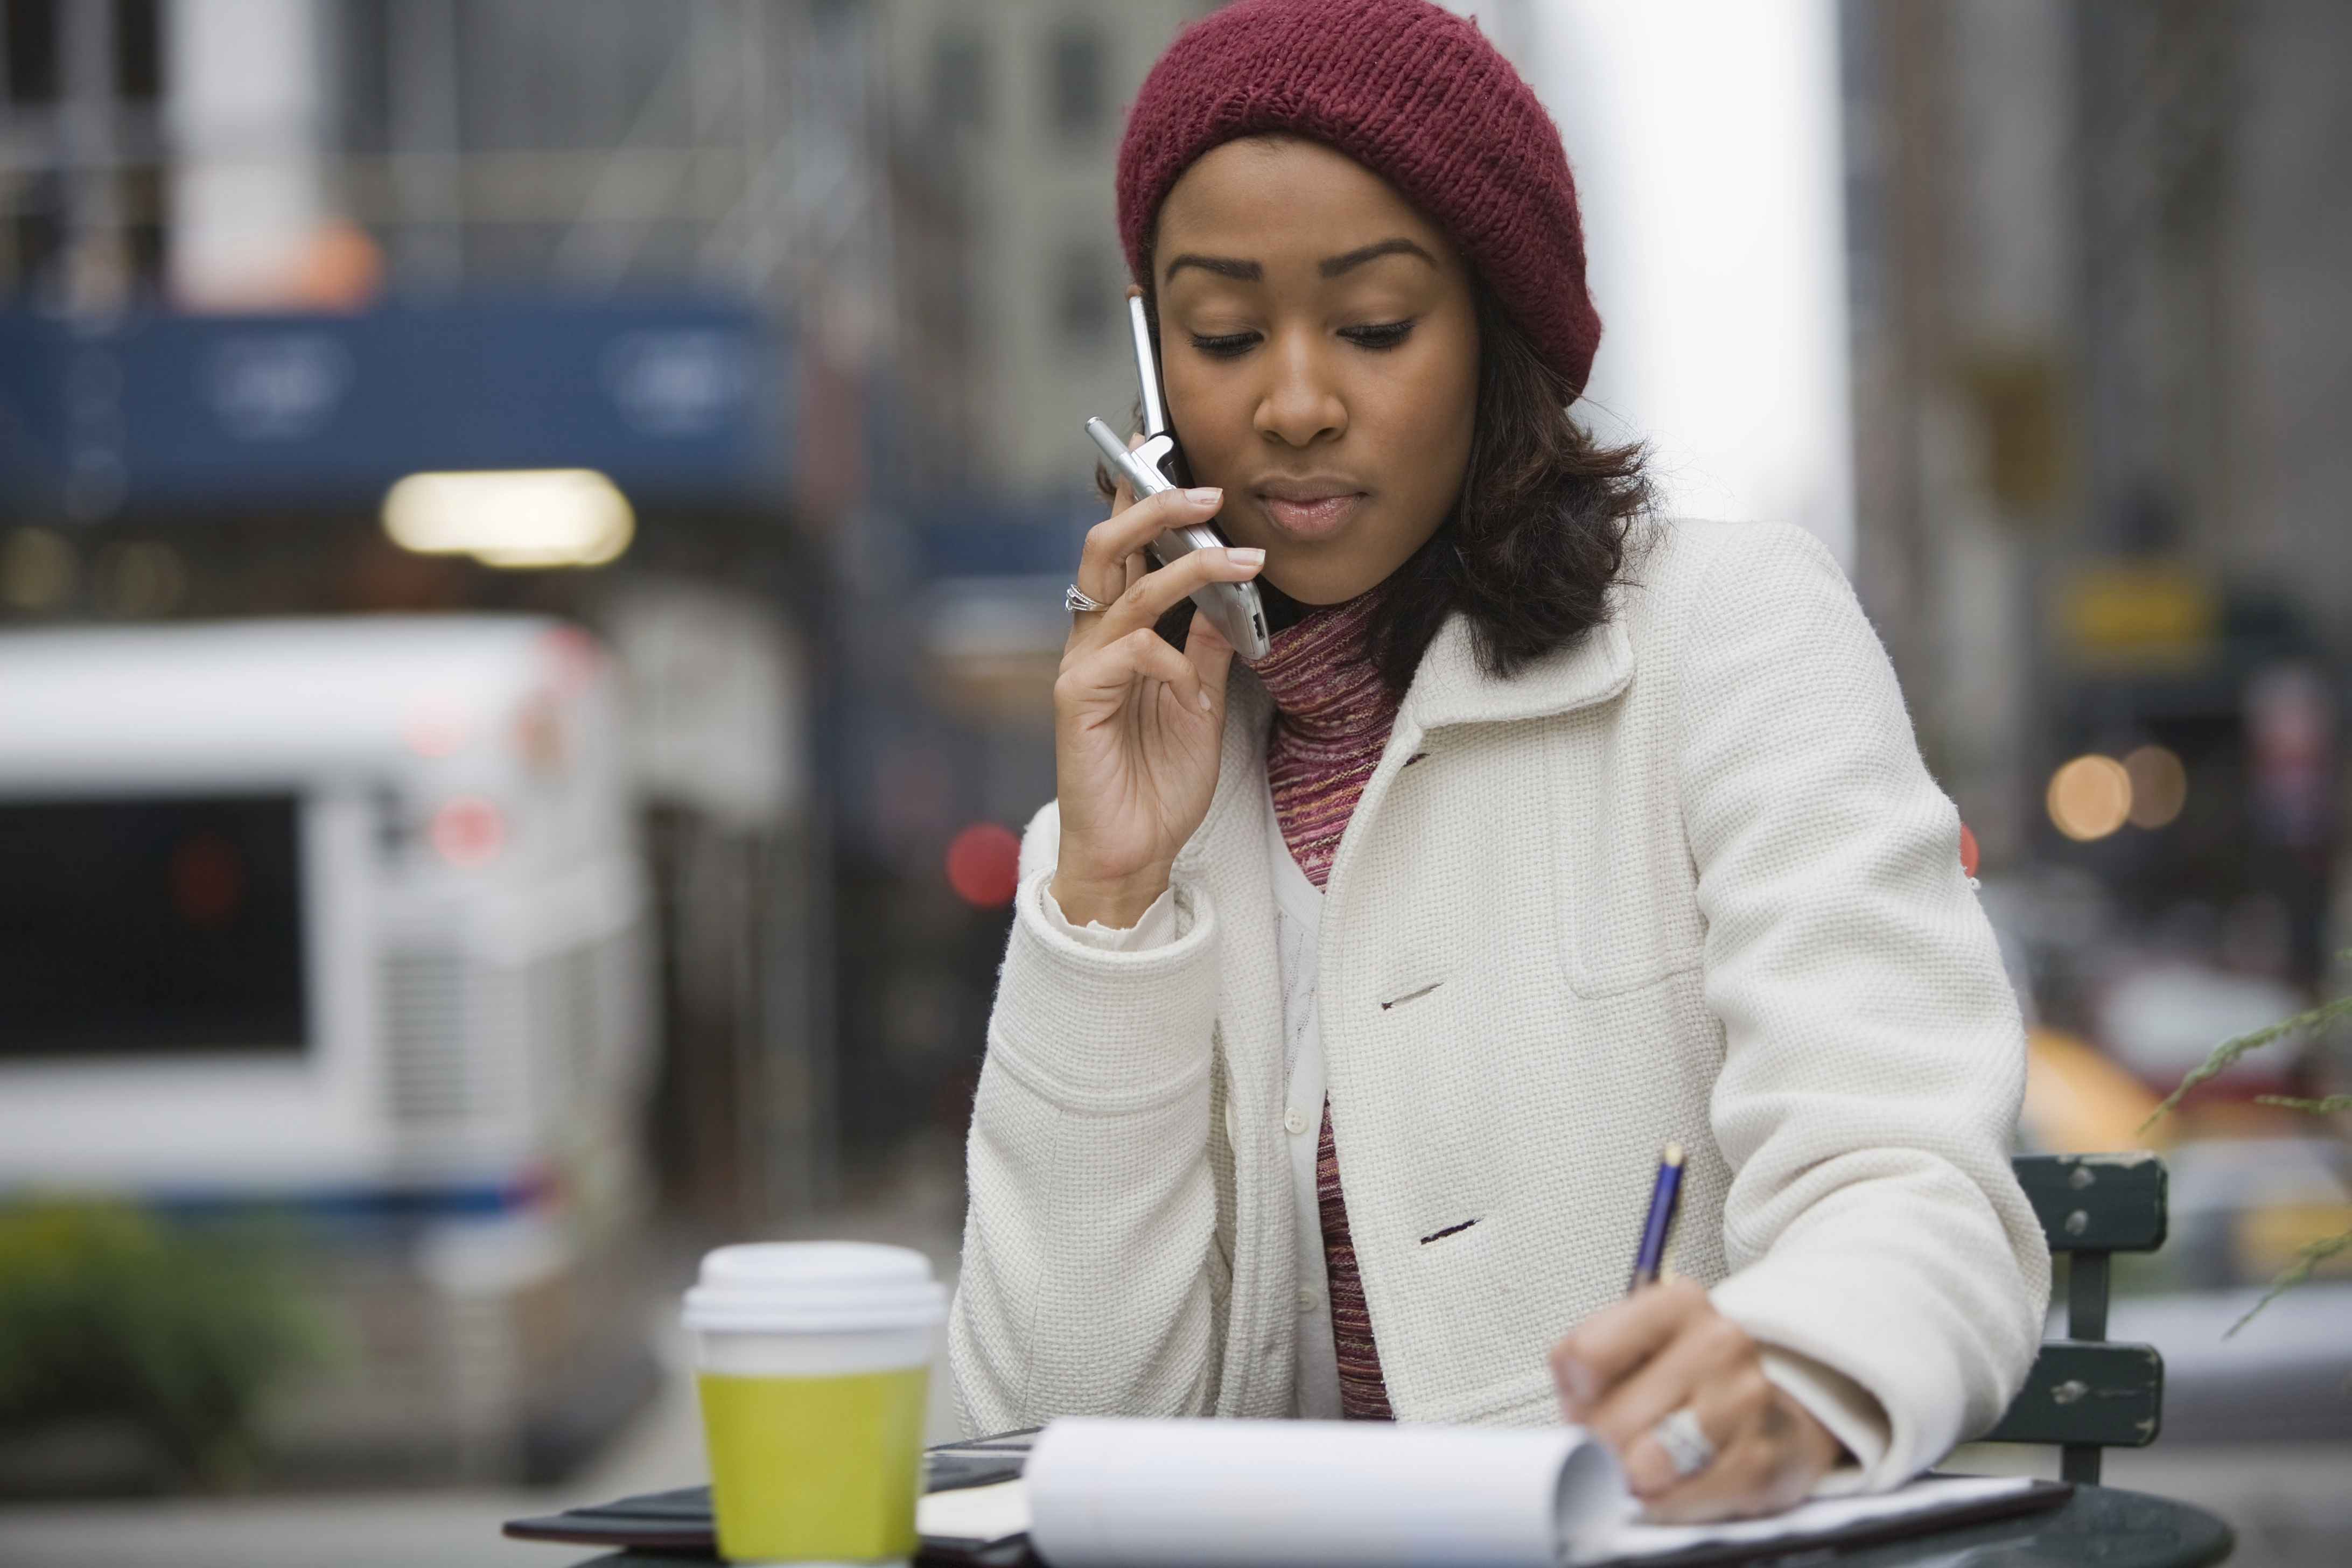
column 1415, row 93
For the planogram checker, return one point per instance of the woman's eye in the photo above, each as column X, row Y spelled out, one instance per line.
column 1226, row 345
column 1380, row 335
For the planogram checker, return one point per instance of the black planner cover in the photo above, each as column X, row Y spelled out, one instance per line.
column 677, row 1523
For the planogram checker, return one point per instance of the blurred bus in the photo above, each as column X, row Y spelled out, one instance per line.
column 344, row 919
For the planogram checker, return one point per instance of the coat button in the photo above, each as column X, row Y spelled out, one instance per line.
column 1294, row 1120
column 1308, row 1299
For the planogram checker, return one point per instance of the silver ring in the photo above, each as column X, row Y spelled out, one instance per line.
column 1076, row 600
column 1684, row 1442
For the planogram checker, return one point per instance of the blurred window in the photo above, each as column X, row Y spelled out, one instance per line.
column 960, row 81
column 137, row 50
column 31, row 45
column 149, row 927
column 31, row 40
column 1075, row 65
column 1088, row 299
column 35, row 238
column 361, row 76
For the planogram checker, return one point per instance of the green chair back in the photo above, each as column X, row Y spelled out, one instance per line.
column 2084, row 1394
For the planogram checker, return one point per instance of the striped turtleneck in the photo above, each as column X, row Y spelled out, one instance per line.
column 1332, row 717
column 1331, row 723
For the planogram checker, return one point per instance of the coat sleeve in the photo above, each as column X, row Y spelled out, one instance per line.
column 1091, row 1283
column 1873, row 1057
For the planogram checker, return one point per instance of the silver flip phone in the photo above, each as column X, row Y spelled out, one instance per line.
column 1236, row 607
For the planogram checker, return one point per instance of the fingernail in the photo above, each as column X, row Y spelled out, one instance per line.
column 1577, row 1379
column 1206, row 495
column 1207, row 706
column 1242, row 556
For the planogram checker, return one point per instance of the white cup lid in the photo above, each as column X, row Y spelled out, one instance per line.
column 814, row 1287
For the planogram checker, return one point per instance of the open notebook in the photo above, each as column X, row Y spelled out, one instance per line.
column 1307, row 1493
column 1096, row 1492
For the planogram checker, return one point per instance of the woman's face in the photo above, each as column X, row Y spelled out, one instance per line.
column 1319, row 344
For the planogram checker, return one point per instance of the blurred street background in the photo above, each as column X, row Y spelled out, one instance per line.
column 531, row 541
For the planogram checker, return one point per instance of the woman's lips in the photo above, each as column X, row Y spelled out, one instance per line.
column 1310, row 516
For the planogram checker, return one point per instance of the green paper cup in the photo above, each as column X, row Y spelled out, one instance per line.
column 812, row 1361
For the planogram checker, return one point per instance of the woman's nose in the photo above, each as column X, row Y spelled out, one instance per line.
column 1300, row 405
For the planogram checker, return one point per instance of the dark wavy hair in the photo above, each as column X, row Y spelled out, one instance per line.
column 1542, row 528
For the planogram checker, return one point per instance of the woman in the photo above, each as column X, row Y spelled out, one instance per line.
column 1350, row 998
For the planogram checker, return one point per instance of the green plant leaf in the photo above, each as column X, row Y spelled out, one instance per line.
column 2328, row 1107
column 181, row 1329
column 2310, row 1256
column 2237, row 1046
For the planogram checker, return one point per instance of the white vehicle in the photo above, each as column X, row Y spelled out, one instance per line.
column 346, row 918
column 307, row 906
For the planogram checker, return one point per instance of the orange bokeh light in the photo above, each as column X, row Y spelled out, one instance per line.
column 2159, row 787
column 2090, row 797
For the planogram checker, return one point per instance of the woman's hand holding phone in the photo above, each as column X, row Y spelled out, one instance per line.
column 1137, row 724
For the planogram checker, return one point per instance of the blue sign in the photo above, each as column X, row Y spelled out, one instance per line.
column 970, row 535
column 682, row 402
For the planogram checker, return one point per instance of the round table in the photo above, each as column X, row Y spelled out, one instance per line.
column 2101, row 1525
column 2098, row 1526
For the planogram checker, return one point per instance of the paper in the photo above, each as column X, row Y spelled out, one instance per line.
column 987, row 1513
column 1104, row 1494
column 1317, row 1494
column 1636, row 1541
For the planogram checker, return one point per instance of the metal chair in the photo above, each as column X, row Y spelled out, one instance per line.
column 2084, row 1393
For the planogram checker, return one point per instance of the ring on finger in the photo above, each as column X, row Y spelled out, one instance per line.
column 1077, row 601
column 1684, row 1442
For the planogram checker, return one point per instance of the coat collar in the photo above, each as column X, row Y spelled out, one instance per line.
column 1448, row 688
column 1451, row 689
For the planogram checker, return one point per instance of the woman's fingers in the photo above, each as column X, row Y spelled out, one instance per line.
column 1769, row 1452
column 1154, row 593
column 1103, row 570
column 1110, row 669
column 1210, row 654
column 1723, row 1389
column 1709, row 1358
column 1599, row 1353
column 1666, row 1350
column 1151, row 595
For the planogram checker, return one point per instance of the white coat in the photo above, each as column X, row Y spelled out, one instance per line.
column 1686, row 882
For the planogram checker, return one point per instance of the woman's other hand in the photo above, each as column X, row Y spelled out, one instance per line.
column 1628, row 1367
column 1137, row 724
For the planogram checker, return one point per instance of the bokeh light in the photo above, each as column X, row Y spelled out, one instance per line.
column 984, row 864
column 467, row 831
column 2090, row 797
column 2159, row 787
column 520, row 518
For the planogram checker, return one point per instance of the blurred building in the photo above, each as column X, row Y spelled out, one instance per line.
column 262, row 256
column 1002, row 120
column 2102, row 346
column 261, row 259
column 1016, row 107
column 874, row 242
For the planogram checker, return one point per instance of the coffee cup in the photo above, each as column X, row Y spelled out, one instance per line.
column 813, row 1363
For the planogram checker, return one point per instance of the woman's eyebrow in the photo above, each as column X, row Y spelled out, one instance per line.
column 1331, row 267
column 1223, row 265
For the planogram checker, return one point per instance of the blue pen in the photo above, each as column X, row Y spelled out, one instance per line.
column 1664, row 1196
